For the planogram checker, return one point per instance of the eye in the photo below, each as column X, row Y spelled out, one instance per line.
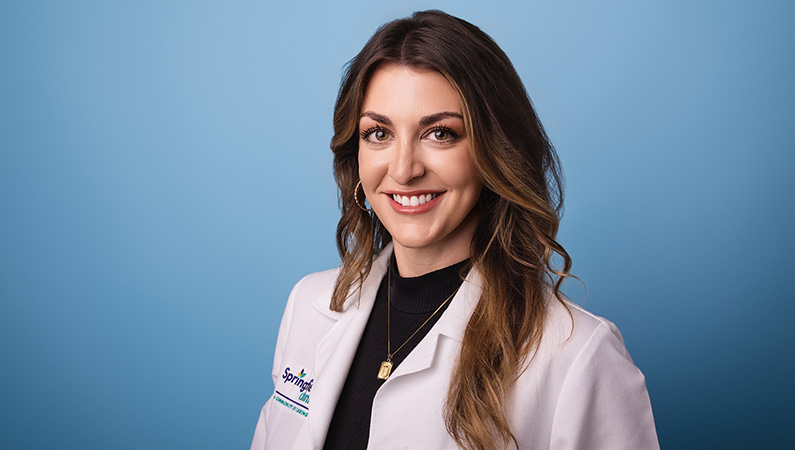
column 375, row 134
column 441, row 133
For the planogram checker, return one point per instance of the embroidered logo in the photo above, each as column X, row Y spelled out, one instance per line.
column 301, row 406
column 298, row 380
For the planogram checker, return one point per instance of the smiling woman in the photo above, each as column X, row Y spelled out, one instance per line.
column 445, row 326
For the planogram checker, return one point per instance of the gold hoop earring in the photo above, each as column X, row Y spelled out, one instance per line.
column 356, row 197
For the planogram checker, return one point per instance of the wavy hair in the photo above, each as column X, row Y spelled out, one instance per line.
column 514, row 246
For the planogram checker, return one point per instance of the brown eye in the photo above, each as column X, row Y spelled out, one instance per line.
column 441, row 134
column 376, row 134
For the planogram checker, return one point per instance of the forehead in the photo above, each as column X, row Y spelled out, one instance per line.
column 398, row 90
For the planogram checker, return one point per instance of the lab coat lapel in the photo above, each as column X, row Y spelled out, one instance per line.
column 335, row 351
column 451, row 325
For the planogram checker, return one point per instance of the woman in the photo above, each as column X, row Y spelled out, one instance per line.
column 445, row 327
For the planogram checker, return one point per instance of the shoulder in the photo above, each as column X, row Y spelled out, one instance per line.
column 317, row 281
column 314, row 288
column 579, row 345
column 595, row 395
column 308, row 300
column 570, row 325
column 574, row 340
column 306, row 315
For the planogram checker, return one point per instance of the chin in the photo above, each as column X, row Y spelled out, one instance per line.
column 413, row 242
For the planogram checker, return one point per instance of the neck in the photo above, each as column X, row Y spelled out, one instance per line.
column 414, row 263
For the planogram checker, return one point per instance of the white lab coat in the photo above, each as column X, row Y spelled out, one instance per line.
column 580, row 390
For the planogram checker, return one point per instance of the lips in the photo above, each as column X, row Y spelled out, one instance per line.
column 413, row 200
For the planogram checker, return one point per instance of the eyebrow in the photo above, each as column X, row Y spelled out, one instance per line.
column 377, row 117
column 425, row 121
column 428, row 120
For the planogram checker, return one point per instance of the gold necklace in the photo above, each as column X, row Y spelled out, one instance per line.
column 386, row 366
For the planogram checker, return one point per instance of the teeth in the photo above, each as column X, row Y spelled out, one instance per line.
column 413, row 200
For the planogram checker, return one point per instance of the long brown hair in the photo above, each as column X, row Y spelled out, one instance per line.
column 514, row 245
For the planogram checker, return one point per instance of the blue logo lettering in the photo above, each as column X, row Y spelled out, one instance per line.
column 297, row 379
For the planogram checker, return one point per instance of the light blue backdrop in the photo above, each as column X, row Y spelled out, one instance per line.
column 165, row 178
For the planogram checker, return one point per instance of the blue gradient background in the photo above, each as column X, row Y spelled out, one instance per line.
column 165, row 178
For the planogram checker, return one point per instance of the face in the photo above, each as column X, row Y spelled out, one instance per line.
column 415, row 165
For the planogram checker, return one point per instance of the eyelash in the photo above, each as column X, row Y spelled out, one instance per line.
column 365, row 134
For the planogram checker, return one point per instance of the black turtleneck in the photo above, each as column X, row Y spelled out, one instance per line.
column 412, row 300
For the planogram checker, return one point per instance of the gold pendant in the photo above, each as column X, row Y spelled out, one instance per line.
column 385, row 370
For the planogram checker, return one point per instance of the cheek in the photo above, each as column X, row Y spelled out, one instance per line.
column 458, row 170
column 467, row 179
column 369, row 170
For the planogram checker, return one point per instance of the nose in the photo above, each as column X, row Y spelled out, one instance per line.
column 406, row 165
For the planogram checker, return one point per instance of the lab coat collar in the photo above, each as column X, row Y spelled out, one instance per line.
column 359, row 298
column 335, row 351
column 454, row 320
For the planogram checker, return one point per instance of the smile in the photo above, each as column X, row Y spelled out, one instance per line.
column 414, row 200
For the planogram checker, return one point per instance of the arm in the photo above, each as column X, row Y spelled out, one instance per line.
column 603, row 402
column 258, row 442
